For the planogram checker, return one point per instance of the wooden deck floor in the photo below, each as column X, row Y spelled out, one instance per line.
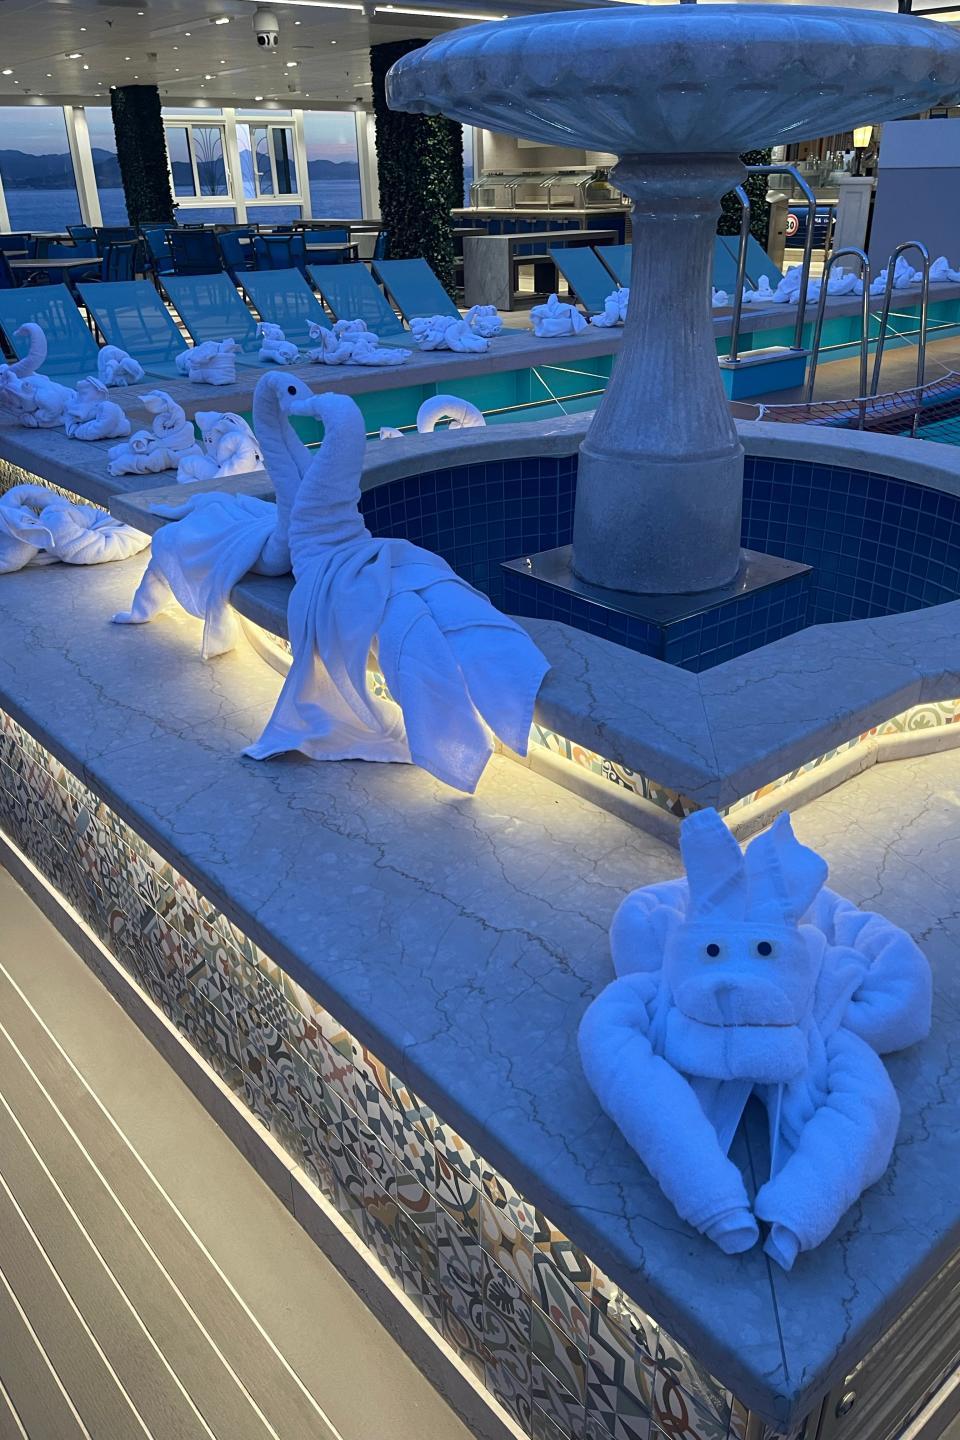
column 150, row 1284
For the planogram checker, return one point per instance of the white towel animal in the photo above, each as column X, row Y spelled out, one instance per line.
column 941, row 271
column 484, row 320
column 555, row 318
column 36, row 351
column 212, row 363
column 276, row 349
column 215, row 539
column 762, row 295
column 753, row 978
column 115, row 367
column 349, row 342
column 229, row 448
column 446, row 332
column 719, row 298
column 92, row 416
column 460, row 415
column 457, row 669
column 162, row 447
column 39, row 527
column 34, row 400
column 614, row 310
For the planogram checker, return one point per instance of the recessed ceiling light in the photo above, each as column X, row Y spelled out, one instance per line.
column 139, row 12
column 440, row 14
column 176, row 70
column 126, row 57
column 49, row 74
column 258, row 97
column 75, row 55
column 222, row 20
column 86, row 67
column 187, row 34
column 291, row 64
column 136, row 77
column 208, row 77
column 6, row 72
column 82, row 29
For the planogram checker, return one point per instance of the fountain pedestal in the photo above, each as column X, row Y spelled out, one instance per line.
column 661, row 469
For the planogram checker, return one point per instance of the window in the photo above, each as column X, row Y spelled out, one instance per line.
column 267, row 163
column 103, row 144
column 467, row 162
column 36, row 168
column 197, row 166
column 333, row 168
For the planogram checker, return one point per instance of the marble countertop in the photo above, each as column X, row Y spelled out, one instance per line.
column 462, row 938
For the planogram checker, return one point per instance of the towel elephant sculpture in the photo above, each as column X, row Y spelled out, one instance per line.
column 752, row 978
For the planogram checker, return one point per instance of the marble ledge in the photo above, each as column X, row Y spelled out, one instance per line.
column 717, row 736
column 461, row 939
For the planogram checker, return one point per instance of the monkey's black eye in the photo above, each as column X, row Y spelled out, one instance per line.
column 764, row 949
column 291, row 389
column 713, row 950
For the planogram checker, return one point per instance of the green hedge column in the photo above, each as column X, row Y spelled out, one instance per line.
column 756, row 187
column 142, row 152
column 420, row 160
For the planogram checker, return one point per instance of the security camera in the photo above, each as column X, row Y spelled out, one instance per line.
column 266, row 27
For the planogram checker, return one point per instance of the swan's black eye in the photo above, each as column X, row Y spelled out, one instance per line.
column 713, row 950
column 291, row 389
column 764, row 949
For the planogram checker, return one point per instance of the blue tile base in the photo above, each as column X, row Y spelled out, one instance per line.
column 767, row 601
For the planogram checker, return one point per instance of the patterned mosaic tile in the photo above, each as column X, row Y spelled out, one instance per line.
column 562, row 1348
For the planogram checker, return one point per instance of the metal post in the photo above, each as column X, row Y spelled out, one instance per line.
column 885, row 312
column 857, row 254
column 811, row 200
column 734, row 353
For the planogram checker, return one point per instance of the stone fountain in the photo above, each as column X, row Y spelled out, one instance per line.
column 677, row 92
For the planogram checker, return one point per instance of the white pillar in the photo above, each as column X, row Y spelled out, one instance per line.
column 231, row 156
column 303, row 167
column 78, row 138
column 5, row 225
column 367, row 157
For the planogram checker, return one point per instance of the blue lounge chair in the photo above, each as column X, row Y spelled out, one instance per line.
column 211, row 309
column 284, row 298
column 351, row 293
column 618, row 259
column 724, row 264
column 585, row 273
column 236, row 250
column 758, row 263
column 73, row 350
column 414, row 288
column 132, row 315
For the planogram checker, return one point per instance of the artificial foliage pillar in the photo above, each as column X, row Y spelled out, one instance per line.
column 420, row 164
column 756, row 187
column 142, row 153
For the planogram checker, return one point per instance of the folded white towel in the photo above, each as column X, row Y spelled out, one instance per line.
column 215, row 539
column 457, row 669
column 752, row 978
column 447, row 332
column 212, row 363
column 941, row 271
column 484, row 320
column 39, row 527
column 554, row 319
column 148, row 452
column 229, row 448
column 460, row 414
column 34, row 400
column 92, row 416
column 719, row 298
column 115, row 367
column 276, row 348
column 349, row 342
column 614, row 310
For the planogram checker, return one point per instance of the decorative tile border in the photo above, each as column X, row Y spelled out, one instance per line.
column 563, row 1350
column 926, row 717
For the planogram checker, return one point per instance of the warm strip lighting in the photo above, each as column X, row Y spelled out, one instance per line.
column 439, row 14
column 319, row 4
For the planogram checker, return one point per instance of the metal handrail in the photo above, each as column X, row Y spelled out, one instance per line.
column 857, row 254
column 733, row 355
column 885, row 313
column 811, row 200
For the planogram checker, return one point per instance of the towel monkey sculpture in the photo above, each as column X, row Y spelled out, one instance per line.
column 751, row 977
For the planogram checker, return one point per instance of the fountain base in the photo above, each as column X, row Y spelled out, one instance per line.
column 766, row 600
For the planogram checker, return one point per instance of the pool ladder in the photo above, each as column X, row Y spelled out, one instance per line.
column 868, row 390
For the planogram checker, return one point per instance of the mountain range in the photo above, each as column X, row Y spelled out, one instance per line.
column 21, row 171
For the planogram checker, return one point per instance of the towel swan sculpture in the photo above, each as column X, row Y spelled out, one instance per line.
column 752, row 978
column 457, row 669
column 218, row 538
